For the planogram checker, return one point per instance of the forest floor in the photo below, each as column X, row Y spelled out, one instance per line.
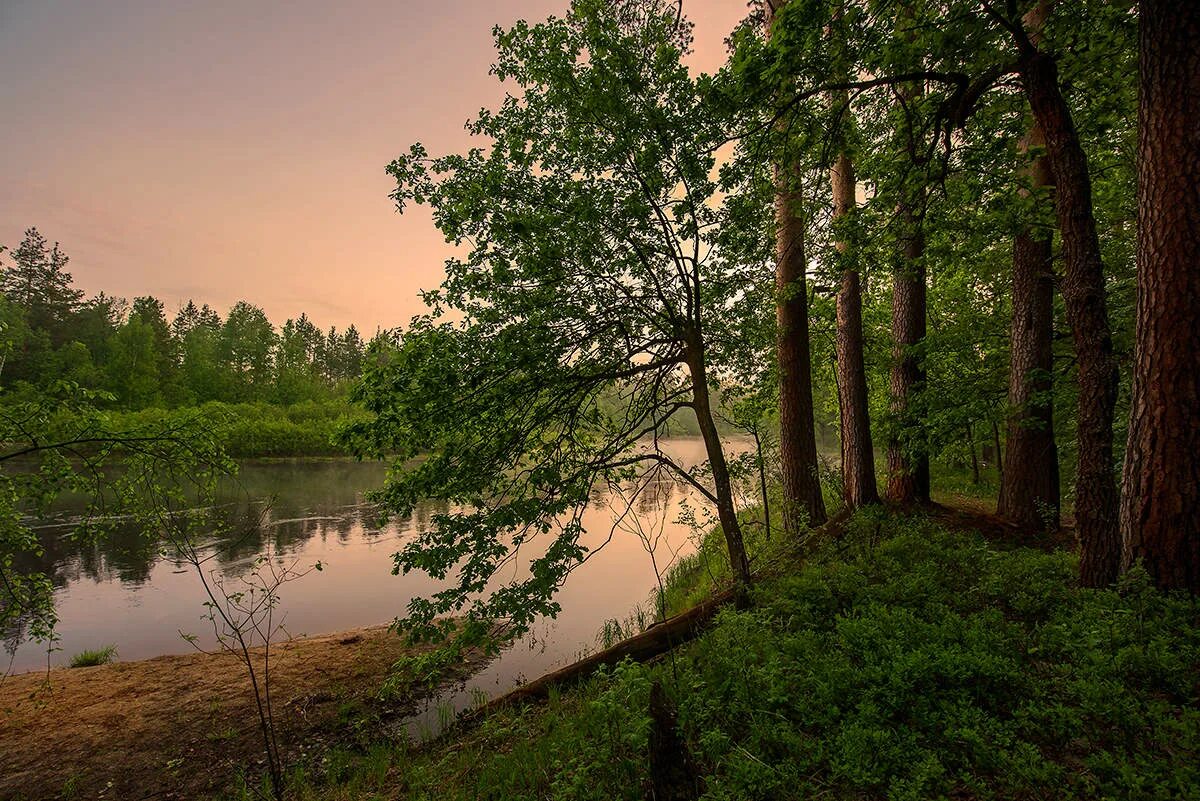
column 182, row 726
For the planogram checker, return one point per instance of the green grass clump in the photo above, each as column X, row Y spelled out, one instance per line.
column 94, row 656
column 903, row 662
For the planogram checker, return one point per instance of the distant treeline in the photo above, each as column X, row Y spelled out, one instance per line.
column 142, row 359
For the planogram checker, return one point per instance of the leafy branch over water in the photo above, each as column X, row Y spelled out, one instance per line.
column 591, row 265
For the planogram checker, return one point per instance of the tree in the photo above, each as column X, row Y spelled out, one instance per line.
column 38, row 281
column 151, row 312
column 247, row 347
column 1160, row 510
column 1085, row 297
column 858, row 455
column 797, row 430
column 1029, row 492
column 297, row 369
column 588, row 224
column 133, row 365
column 198, row 331
column 908, row 447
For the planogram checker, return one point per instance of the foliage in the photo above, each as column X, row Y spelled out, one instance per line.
column 590, row 270
column 60, row 442
column 142, row 360
column 246, row 430
column 903, row 662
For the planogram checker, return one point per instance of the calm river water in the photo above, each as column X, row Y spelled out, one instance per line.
column 123, row 592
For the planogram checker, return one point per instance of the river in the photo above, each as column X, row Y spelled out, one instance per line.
column 125, row 592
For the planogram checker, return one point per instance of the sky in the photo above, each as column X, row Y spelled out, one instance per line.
column 235, row 149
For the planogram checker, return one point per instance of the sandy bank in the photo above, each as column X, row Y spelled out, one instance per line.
column 179, row 726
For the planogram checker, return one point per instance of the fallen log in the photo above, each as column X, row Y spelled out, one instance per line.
column 658, row 639
column 654, row 641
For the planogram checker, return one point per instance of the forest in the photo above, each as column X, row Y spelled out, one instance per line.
column 272, row 392
column 920, row 279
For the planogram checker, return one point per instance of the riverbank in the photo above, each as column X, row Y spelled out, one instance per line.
column 178, row 727
column 911, row 657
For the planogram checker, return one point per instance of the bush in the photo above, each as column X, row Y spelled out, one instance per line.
column 249, row 430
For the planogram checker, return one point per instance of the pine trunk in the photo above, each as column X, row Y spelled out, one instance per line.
column 797, row 435
column 1084, row 297
column 802, row 498
column 908, row 467
column 1160, row 512
column 858, row 458
column 1030, row 494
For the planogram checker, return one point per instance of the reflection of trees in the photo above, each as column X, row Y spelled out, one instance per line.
column 657, row 492
column 302, row 500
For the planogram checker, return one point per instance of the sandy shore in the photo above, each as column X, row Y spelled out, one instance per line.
column 180, row 726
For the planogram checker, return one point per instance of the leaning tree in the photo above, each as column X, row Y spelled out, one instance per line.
column 588, row 231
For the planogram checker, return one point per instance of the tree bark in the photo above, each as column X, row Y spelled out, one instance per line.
column 908, row 467
column 797, row 432
column 656, row 640
column 1160, row 511
column 1084, row 297
column 858, row 456
column 908, row 456
column 1029, row 494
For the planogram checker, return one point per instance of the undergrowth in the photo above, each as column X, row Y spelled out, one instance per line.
column 902, row 662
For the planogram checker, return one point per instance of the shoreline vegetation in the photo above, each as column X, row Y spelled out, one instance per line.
column 924, row 595
column 911, row 655
column 308, row 429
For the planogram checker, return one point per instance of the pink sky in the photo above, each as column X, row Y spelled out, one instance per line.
column 227, row 149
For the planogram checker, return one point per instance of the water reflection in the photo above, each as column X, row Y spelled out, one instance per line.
column 126, row 591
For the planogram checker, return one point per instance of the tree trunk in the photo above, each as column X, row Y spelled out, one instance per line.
column 651, row 643
column 1084, row 296
column 908, row 466
column 1030, row 494
column 739, row 562
column 673, row 772
column 999, row 453
column 1160, row 512
column 762, row 483
column 858, row 458
column 974, row 458
column 797, row 433
column 908, row 455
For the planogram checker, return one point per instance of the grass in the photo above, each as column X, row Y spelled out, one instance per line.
column 91, row 657
column 901, row 661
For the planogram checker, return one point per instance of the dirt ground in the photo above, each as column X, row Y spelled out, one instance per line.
column 181, row 726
